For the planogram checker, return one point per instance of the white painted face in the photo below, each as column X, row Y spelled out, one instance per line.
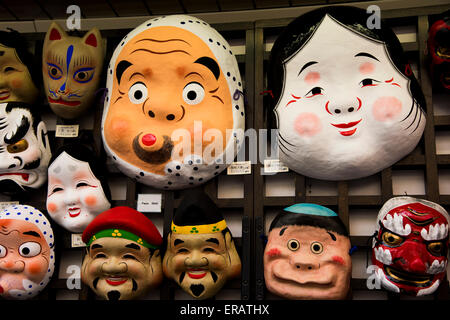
column 75, row 195
column 24, row 152
column 345, row 111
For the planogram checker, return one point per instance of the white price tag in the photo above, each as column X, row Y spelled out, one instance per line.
column 239, row 167
column 274, row 166
column 5, row 204
column 150, row 202
column 76, row 241
column 67, row 131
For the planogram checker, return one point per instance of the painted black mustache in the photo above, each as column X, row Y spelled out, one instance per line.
column 154, row 157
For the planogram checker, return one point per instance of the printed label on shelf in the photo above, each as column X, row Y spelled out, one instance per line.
column 67, row 131
column 274, row 166
column 76, row 241
column 150, row 202
column 239, row 167
column 5, row 204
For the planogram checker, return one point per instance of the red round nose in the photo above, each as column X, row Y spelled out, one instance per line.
column 418, row 266
column 149, row 139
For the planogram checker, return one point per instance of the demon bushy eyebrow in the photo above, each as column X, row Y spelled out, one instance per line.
column 211, row 64
column 133, row 246
column 120, row 69
column 177, row 242
column 306, row 66
column 21, row 131
column 32, row 233
column 365, row 54
column 213, row 240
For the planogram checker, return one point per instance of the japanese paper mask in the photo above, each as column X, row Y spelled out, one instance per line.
column 174, row 106
column 75, row 193
column 307, row 254
column 27, row 257
column 17, row 74
column 201, row 255
column 439, row 50
column 347, row 105
column 123, row 259
column 410, row 248
column 24, row 148
column 71, row 67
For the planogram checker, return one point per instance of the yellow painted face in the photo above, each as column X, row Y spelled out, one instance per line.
column 166, row 78
column 15, row 79
column 71, row 68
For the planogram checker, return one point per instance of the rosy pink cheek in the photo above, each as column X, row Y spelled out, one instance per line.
column 36, row 267
column 307, row 124
column 386, row 108
column 52, row 207
column 366, row 68
column 273, row 253
column 312, row 77
column 90, row 200
column 338, row 260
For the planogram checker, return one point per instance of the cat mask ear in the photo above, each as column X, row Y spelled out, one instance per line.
column 92, row 37
column 55, row 32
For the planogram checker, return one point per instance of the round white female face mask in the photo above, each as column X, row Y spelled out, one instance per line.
column 75, row 196
column 345, row 111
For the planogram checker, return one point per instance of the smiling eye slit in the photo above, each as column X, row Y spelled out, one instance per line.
column 314, row 92
column 368, row 82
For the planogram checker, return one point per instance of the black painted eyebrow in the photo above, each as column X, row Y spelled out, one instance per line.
column 213, row 240
column 120, row 69
column 133, row 246
column 333, row 237
column 20, row 132
column 177, row 242
column 96, row 246
column 211, row 64
column 32, row 233
column 282, row 231
column 306, row 66
column 365, row 54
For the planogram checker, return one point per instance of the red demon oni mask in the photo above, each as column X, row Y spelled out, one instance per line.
column 410, row 248
column 439, row 50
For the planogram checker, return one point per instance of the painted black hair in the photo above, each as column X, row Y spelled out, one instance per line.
column 286, row 218
column 86, row 153
column 297, row 33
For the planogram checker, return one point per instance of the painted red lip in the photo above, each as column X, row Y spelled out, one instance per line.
column 347, row 133
column 196, row 275
column 346, row 125
column 149, row 139
column 74, row 212
column 25, row 176
column 4, row 95
column 116, row 281
column 63, row 102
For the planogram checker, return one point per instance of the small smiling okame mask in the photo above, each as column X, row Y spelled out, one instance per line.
column 175, row 105
column 71, row 68
column 27, row 256
column 347, row 105
column 77, row 187
column 307, row 254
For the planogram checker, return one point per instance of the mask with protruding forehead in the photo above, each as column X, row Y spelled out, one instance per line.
column 174, row 106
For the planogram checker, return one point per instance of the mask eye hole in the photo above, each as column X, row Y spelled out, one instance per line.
column 138, row 93
column 193, row 93
column 391, row 239
column 83, row 75
column 54, row 72
column 316, row 247
column 293, row 245
column 29, row 249
column 436, row 248
column 3, row 251
column 17, row 147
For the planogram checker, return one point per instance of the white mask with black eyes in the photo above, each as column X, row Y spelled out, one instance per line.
column 24, row 151
column 345, row 110
column 75, row 196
